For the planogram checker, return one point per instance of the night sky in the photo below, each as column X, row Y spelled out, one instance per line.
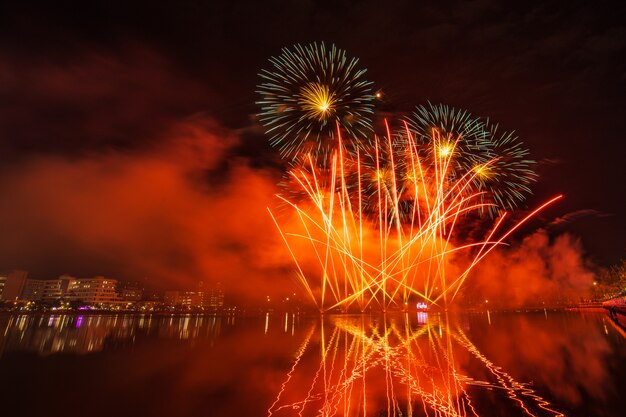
column 130, row 147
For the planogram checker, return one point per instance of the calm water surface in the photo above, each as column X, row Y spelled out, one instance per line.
column 508, row 364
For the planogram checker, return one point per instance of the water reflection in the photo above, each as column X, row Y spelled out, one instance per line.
column 541, row 364
column 49, row 334
column 397, row 367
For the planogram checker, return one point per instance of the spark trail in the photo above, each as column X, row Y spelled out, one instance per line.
column 381, row 225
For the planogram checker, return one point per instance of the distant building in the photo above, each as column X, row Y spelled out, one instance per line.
column 212, row 298
column 12, row 285
column 92, row 291
column 151, row 295
column 131, row 291
column 189, row 299
column 215, row 297
column 57, row 289
column 46, row 290
column 34, row 290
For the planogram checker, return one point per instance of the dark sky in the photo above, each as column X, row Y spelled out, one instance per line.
column 95, row 82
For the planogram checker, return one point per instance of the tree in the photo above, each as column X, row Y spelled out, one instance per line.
column 612, row 281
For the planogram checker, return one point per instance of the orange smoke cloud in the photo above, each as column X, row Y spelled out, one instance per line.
column 535, row 271
column 154, row 214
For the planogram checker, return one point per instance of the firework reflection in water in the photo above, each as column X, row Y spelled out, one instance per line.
column 404, row 365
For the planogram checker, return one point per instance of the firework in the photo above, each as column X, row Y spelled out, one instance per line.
column 307, row 93
column 501, row 163
column 379, row 215
column 460, row 136
column 509, row 177
column 384, row 232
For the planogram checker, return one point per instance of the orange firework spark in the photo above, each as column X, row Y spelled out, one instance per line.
column 382, row 233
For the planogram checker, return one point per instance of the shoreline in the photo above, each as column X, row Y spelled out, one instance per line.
column 259, row 313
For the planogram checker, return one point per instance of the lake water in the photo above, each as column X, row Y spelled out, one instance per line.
column 545, row 363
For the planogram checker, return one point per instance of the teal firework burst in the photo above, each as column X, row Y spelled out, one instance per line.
column 307, row 93
column 502, row 169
